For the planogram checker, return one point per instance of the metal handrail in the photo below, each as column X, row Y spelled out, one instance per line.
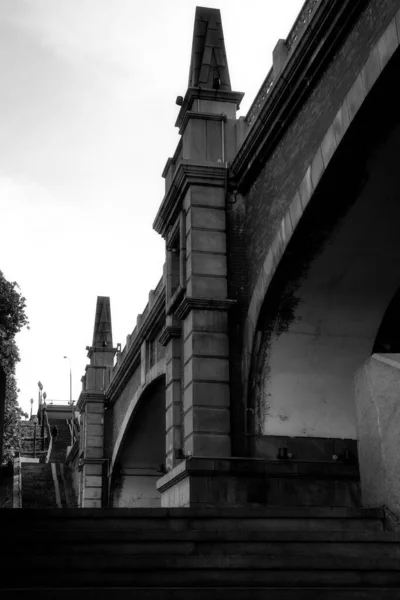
column 49, row 449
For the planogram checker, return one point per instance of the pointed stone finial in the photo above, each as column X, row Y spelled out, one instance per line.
column 102, row 334
column 208, row 65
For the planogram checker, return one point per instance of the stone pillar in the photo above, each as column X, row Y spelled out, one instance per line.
column 171, row 339
column 205, row 326
column 91, row 456
column 192, row 219
column 91, row 407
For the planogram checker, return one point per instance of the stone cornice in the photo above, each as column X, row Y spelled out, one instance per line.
column 202, row 116
column 89, row 397
column 189, row 304
column 188, row 173
column 207, row 94
column 129, row 363
column 169, row 332
column 304, row 65
column 172, row 160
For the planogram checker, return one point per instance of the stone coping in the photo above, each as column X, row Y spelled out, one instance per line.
column 24, row 516
column 239, row 466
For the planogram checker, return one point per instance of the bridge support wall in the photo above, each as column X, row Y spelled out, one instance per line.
column 377, row 385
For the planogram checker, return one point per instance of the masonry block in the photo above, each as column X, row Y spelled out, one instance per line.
column 94, row 441
column 91, row 503
column 194, row 140
column 94, row 452
column 214, row 141
column 95, row 407
column 173, row 415
column 173, row 370
column 93, row 481
column 173, row 393
column 388, row 43
column 355, row 97
column 203, row 286
column 372, row 70
column 94, row 418
column 92, row 493
column 95, row 429
column 205, row 218
column 173, row 349
column 203, row 444
column 206, row 264
column 205, row 196
column 205, row 320
column 206, row 369
column 206, row 241
column 206, row 344
column 172, row 439
column 206, row 420
column 206, row 394
column 92, row 469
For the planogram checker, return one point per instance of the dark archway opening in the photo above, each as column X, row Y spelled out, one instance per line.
column 141, row 458
column 388, row 337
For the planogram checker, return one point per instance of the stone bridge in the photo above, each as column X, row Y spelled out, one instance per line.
column 248, row 378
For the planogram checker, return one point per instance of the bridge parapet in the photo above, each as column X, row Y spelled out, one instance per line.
column 135, row 363
column 149, row 324
column 300, row 25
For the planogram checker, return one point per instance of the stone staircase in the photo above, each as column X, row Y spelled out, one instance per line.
column 180, row 554
column 59, row 448
column 37, row 486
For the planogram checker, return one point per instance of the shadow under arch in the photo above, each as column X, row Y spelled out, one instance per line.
column 320, row 313
column 139, row 454
column 387, row 340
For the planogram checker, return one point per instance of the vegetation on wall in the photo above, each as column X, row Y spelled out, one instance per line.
column 12, row 319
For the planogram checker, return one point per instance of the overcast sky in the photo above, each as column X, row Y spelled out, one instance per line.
column 87, row 113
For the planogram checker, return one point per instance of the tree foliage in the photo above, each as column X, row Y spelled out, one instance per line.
column 12, row 319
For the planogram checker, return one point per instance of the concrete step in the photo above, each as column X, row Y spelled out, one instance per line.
column 183, row 519
column 309, row 560
column 212, row 593
column 272, row 552
column 37, row 486
column 319, row 553
column 62, row 572
column 165, row 536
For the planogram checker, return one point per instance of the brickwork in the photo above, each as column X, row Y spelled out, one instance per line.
column 270, row 195
column 237, row 291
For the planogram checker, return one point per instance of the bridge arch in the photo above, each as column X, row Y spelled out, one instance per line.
column 139, row 452
column 305, row 283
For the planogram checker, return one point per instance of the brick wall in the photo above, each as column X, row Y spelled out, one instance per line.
column 269, row 197
column 238, row 291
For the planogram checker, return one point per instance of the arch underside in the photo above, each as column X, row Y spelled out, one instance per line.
column 141, row 455
column 341, row 269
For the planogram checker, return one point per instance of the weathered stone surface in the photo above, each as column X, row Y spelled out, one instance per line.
column 377, row 386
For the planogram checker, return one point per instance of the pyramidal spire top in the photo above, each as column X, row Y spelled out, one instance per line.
column 208, row 65
column 102, row 333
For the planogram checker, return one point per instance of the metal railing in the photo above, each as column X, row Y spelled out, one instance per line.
column 50, row 437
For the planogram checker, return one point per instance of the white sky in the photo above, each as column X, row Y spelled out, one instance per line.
column 87, row 114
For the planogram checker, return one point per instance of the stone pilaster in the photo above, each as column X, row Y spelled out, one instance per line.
column 171, row 339
column 205, row 325
column 91, row 407
column 192, row 219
